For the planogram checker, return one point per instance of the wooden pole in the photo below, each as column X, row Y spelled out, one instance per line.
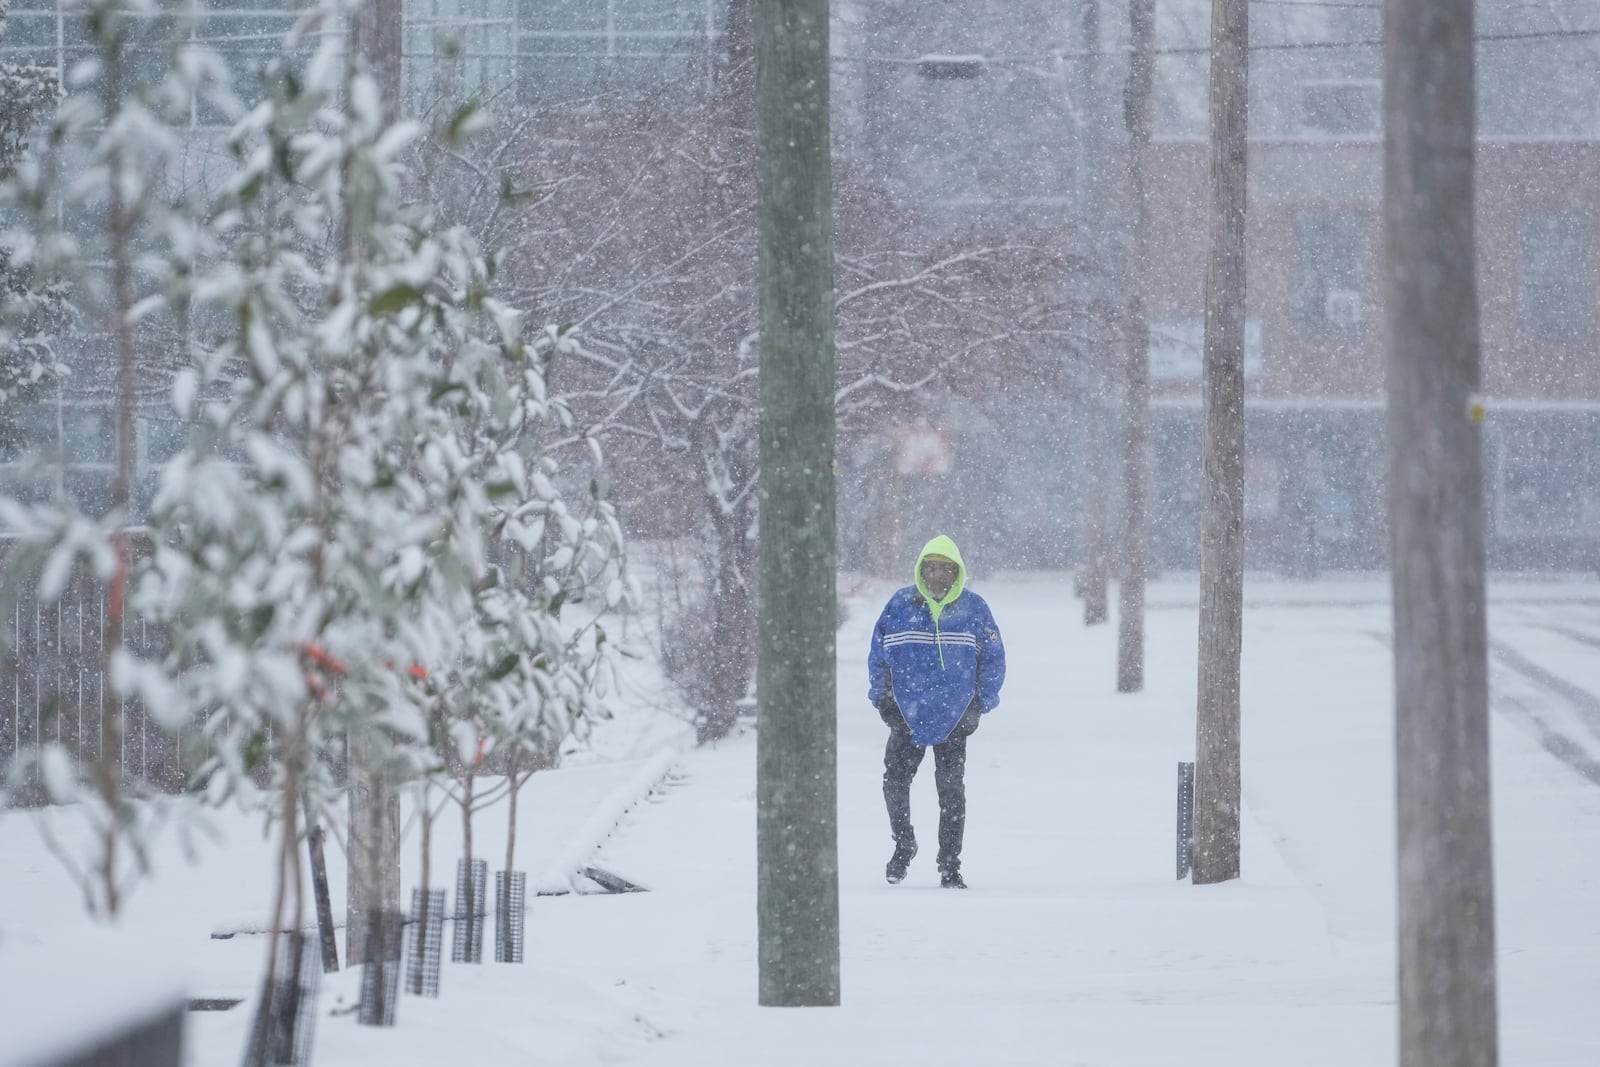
column 1446, row 876
column 1136, row 398
column 1095, row 455
column 1217, row 772
column 796, row 793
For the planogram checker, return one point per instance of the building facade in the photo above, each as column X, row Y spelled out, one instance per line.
column 1009, row 116
column 1316, row 459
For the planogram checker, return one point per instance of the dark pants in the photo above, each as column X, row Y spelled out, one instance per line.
column 901, row 759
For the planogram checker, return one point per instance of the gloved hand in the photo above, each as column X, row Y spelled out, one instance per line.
column 970, row 719
column 889, row 712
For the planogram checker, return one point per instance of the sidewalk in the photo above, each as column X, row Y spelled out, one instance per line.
column 1075, row 944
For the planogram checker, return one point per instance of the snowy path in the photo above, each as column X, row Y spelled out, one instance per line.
column 1075, row 944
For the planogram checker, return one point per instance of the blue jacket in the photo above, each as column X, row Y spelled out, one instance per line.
column 935, row 656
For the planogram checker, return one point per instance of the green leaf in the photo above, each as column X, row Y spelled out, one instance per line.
column 459, row 129
column 261, row 618
column 283, row 160
column 396, row 298
column 507, row 664
column 556, row 602
column 252, row 188
column 255, row 752
column 513, row 195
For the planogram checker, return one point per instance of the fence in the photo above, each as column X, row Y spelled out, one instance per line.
column 52, row 690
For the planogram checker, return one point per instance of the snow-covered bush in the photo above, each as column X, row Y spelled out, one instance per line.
column 92, row 220
column 367, row 536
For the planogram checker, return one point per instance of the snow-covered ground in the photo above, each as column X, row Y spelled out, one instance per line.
column 1075, row 944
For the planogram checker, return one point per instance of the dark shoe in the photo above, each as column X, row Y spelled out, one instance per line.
column 952, row 880
column 895, row 872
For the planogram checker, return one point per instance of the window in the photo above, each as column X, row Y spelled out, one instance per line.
column 1341, row 107
column 1545, row 486
column 28, row 432
column 572, row 48
column 1263, row 486
column 59, row 445
column 1557, row 272
column 1330, row 278
column 1178, row 349
column 458, row 49
column 55, row 34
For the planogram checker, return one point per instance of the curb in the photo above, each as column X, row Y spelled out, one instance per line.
column 566, row 874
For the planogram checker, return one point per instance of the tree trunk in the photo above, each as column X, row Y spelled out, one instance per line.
column 1136, row 417
column 108, row 773
column 732, row 600
column 1446, row 877
column 1092, row 576
column 287, row 880
column 373, row 858
column 514, row 780
column 377, row 33
column 1216, row 817
column 796, row 744
column 731, row 603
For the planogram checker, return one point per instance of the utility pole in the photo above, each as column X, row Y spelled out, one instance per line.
column 1446, row 875
column 1216, row 807
column 796, row 674
column 372, row 882
column 1095, row 459
column 1136, row 417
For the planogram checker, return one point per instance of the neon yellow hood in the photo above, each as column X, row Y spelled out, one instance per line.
column 941, row 546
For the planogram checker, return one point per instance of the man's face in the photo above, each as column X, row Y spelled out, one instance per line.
column 939, row 575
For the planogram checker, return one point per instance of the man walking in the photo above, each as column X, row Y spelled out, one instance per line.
column 936, row 668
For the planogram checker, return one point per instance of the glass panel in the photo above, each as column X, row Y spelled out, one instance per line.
column 163, row 439
column 141, row 495
column 1545, row 487
column 26, row 487
column 91, row 489
column 29, row 434
column 563, row 16
column 676, row 16
column 1331, row 270
column 1557, row 275
column 88, row 435
column 561, row 68
column 23, row 29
